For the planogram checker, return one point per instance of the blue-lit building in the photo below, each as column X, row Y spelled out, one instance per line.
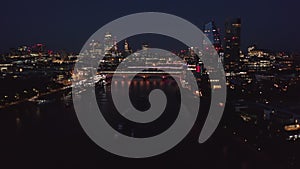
column 212, row 33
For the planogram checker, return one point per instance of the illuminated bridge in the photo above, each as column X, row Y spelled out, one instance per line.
column 142, row 74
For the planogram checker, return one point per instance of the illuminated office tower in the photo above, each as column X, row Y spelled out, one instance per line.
column 95, row 48
column 212, row 33
column 108, row 44
column 127, row 49
column 232, row 43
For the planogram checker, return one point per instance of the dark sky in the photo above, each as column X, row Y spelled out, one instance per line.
column 62, row 24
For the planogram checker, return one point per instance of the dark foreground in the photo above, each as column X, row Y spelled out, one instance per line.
column 48, row 135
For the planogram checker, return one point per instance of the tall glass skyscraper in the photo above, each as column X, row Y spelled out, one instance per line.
column 212, row 33
column 108, row 43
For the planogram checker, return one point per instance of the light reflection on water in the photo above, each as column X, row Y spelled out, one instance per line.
column 47, row 129
column 28, row 114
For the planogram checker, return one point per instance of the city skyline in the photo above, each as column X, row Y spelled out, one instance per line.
column 66, row 25
column 217, row 36
column 155, row 84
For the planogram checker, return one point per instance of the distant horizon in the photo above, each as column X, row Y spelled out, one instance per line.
column 136, row 48
column 68, row 24
column 243, row 46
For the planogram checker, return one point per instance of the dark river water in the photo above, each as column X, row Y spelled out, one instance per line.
column 48, row 135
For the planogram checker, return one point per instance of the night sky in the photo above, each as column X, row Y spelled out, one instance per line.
column 68, row 24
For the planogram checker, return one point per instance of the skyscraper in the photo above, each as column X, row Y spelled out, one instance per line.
column 127, row 49
column 95, row 48
column 108, row 44
column 232, row 42
column 212, row 33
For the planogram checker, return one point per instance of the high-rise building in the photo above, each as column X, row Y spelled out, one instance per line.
column 108, row 43
column 127, row 49
column 95, row 48
column 232, row 43
column 212, row 33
